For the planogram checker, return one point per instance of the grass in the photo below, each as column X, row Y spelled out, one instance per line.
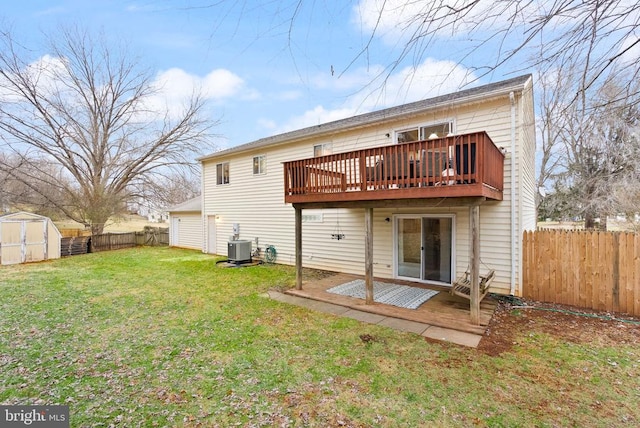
column 164, row 337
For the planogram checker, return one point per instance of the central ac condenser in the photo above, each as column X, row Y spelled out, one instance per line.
column 239, row 251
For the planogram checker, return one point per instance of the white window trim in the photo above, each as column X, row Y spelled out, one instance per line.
column 451, row 121
column 229, row 175
column 326, row 147
column 395, row 246
column 264, row 172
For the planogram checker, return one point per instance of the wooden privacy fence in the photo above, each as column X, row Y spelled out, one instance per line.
column 595, row 270
column 115, row 241
column 71, row 246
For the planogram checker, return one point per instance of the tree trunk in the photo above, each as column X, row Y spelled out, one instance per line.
column 589, row 221
column 603, row 222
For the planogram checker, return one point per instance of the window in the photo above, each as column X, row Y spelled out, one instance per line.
column 312, row 218
column 259, row 165
column 322, row 149
column 436, row 130
column 222, row 173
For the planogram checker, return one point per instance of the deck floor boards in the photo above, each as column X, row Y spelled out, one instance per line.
column 443, row 310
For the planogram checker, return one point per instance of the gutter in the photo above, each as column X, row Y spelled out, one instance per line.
column 469, row 96
column 512, row 201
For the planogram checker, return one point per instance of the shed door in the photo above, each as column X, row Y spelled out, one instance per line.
column 23, row 241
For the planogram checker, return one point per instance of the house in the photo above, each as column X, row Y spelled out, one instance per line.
column 27, row 237
column 185, row 224
column 423, row 192
column 156, row 216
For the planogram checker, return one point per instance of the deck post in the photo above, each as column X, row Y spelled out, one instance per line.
column 368, row 255
column 474, row 229
column 298, row 250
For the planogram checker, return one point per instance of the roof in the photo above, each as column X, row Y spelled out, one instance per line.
column 21, row 215
column 376, row 117
column 191, row 205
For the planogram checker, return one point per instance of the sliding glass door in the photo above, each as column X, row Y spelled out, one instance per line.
column 424, row 248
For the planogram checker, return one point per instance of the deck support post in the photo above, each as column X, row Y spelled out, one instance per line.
column 368, row 255
column 474, row 229
column 298, row 250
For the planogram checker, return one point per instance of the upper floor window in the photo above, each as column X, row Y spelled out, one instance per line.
column 222, row 173
column 436, row 130
column 259, row 165
column 322, row 149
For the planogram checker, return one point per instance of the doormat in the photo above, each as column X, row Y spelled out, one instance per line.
column 401, row 296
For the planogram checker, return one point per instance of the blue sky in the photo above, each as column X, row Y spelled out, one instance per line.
column 261, row 75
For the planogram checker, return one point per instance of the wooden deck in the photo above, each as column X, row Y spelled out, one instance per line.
column 442, row 310
column 459, row 166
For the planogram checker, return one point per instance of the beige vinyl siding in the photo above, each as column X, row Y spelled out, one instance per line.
column 189, row 229
column 529, row 190
column 256, row 202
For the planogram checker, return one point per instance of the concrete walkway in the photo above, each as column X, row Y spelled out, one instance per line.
column 429, row 331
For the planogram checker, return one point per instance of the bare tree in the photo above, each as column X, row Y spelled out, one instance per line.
column 90, row 113
column 604, row 33
column 590, row 153
column 29, row 184
column 552, row 99
column 172, row 189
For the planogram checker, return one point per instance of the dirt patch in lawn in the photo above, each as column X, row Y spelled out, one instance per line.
column 512, row 321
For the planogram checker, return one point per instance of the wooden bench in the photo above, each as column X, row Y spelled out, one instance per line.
column 462, row 286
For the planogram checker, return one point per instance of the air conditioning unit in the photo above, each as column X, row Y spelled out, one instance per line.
column 239, row 251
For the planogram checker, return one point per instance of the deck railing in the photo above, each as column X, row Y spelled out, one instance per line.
column 461, row 165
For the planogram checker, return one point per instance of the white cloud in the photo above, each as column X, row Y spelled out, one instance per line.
column 46, row 71
column 430, row 79
column 316, row 116
column 175, row 87
column 176, row 84
column 394, row 20
column 630, row 53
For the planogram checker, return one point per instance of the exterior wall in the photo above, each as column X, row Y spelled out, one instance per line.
column 527, row 198
column 256, row 202
column 26, row 237
column 189, row 230
column 529, row 190
column 53, row 241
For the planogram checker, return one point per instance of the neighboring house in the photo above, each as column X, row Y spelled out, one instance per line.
column 157, row 216
column 27, row 237
column 396, row 193
column 185, row 224
column 153, row 215
column 145, row 209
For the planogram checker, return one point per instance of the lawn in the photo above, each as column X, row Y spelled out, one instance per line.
column 164, row 337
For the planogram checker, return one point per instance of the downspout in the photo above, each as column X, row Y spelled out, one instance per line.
column 204, row 222
column 512, row 99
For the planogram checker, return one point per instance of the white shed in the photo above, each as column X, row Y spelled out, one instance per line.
column 27, row 237
column 185, row 224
